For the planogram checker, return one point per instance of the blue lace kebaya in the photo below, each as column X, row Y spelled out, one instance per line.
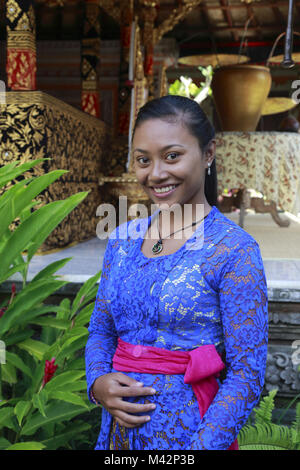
column 213, row 290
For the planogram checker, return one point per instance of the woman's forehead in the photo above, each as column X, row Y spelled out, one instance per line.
column 162, row 130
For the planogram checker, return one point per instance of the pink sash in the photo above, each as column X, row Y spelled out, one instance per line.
column 200, row 367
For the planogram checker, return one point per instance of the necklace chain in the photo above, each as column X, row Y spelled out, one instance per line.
column 158, row 246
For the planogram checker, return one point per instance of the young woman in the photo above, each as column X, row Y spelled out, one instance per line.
column 177, row 348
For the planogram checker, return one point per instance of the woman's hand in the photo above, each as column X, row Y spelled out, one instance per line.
column 109, row 389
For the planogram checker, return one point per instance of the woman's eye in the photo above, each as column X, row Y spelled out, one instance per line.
column 139, row 159
column 173, row 154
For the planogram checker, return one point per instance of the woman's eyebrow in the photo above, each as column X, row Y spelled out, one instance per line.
column 163, row 148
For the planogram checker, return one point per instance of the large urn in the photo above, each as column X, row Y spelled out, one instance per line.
column 240, row 92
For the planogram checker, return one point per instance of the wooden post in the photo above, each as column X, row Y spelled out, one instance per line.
column 90, row 56
column 125, row 87
column 21, row 45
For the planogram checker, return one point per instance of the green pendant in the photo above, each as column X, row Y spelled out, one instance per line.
column 157, row 247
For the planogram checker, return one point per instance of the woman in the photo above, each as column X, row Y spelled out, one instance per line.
column 172, row 311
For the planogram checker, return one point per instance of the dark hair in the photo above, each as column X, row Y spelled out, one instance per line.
column 173, row 108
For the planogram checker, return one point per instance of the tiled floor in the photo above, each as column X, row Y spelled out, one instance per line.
column 280, row 248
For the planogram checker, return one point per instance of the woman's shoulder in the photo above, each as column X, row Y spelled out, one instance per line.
column 230, row 233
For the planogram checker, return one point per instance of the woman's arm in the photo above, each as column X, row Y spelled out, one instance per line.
column 102, row 340
column 110, row 388
column 244, row 310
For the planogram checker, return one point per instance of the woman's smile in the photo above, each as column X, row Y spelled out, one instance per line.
column 164, row 191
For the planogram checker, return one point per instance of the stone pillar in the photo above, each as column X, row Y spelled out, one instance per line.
column 90, row 56
column 21, row 45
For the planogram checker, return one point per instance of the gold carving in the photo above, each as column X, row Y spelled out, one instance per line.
column 20, row 40
column 112, row 9
column 36, row 125
column 12, row 10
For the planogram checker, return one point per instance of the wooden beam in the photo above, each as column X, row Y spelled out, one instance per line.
column 254, row 20
column 227, row 16
column 214, row 29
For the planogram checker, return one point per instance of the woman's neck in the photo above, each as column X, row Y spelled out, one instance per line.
column 171, row 221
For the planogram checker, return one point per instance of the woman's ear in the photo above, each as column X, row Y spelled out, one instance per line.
column 210, row 151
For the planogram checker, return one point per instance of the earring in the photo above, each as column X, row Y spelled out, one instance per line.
column 208, row 170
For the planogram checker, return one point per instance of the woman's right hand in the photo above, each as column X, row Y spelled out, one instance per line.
column 109, row 390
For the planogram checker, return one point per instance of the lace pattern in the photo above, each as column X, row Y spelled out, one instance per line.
column 216, row 294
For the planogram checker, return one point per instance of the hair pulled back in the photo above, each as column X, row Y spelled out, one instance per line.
column 173, row 108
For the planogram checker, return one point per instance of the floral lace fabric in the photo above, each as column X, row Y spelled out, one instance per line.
column 213, row 290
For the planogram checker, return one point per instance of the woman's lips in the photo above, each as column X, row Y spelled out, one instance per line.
column 163, row 195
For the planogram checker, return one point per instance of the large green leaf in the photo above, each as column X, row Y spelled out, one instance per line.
column 4, row 443
column 16, row 361
column 39, row 401
column 84, row 291
column 8, row 373
column 60, row 440
column 51, row 269
column 11, row 171
column 56, row 413
column 31, row 445
column 84, row 315
column 35, row 348
column 21, row 197
column 63, row 379
column 6, row 415
column 30, row 296
column 68, row 397
column 34, row 230
column 15, row 338
column 52, row 322
column 21, row 410
column 72, row 347
column 33, row 315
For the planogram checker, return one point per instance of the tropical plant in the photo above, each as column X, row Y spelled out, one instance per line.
column 186, row 87
column 42, row 379
column 264, row 434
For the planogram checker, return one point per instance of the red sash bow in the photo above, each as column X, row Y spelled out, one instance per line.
column 200, row 367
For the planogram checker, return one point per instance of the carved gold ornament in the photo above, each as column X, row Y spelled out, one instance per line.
column 12, row 10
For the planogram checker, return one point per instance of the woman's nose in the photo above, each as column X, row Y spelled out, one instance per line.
column 158, row 171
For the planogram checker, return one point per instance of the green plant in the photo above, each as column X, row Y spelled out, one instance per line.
column 186, row 87
column 264, row 434
column 35, row 407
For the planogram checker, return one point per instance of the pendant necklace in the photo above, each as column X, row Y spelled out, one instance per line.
column 158, row 246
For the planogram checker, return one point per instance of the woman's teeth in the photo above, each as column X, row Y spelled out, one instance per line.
column 164, row 190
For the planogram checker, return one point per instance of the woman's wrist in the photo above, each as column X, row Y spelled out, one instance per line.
column 92, row 397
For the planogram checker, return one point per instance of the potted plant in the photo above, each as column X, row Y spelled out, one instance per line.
column 201, row 94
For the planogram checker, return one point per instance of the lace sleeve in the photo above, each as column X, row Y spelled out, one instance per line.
column 244, row 308
column 102, row 339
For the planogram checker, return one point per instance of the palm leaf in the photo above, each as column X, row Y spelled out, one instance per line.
column 267, row 436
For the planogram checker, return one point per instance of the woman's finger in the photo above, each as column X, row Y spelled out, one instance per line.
column 130, row 420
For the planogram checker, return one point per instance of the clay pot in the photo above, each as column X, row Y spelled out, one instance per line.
column 240, row 92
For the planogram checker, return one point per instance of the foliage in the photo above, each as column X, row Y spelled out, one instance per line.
column 186, row 87
column 39, row 410
column 264, row 434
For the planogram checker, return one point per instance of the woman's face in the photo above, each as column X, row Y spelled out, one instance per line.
column 166, row 154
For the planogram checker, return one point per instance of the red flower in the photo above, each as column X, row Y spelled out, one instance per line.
column 2, row 311
column 50, row 369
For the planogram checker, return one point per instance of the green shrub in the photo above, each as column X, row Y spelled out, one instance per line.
column 42, row 386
